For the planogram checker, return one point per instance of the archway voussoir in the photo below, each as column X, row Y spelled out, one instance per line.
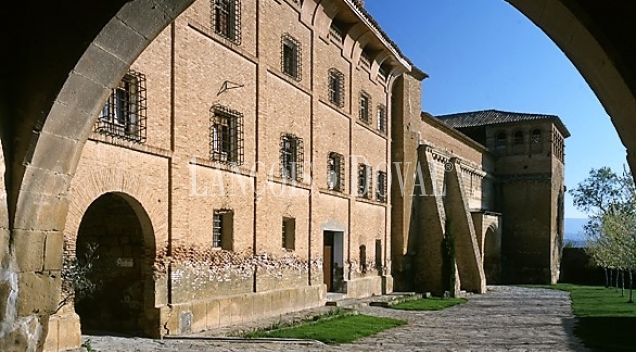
column 154, row 19
column 100, row 65
column 42, row 212
column 57, row 154
column 122, row 41
column 80, row 125
column 45, row 181
column 174, row 7
column 80, row 93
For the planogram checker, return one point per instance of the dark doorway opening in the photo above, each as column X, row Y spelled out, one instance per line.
column 333, row 261
column 122, row 266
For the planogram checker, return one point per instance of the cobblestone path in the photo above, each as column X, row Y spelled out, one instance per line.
column 504, row 319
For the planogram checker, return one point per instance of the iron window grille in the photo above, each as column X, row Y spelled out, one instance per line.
column 380, row 191
column 226, row 135
column 336, row 87
column 365, row 107
column 518, row 138
column 124, row 114
column 364, row 181
column 336, row 172
column 291, row 57
column 382, row 118
column 222, row 229
column 289, row 234
column 226, row 19
column 291, row 157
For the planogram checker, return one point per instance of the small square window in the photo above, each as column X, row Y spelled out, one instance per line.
column 289, row 234
column 364, row 181
column 223, row 229
column 365, row 107
column 226, row 19
column 291, row 57
column 335, row 172
column 124, row 114
column 226, row 135
column 382, row 119
column 336, row 87
column 291, row 157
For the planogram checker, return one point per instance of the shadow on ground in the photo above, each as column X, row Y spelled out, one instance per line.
column 607, row 333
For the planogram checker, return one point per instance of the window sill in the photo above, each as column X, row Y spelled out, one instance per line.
column 370, row 201
column 370, row 129
column 289, row 182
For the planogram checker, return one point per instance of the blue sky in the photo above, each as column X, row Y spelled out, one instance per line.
column 484, row 54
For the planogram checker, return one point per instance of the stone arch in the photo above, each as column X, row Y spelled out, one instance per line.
column 57, row 91
column 122, row 229
column 492, row 254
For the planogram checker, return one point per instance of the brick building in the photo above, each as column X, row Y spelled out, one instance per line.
column 241, row 169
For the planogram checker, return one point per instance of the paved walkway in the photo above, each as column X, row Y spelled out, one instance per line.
column 504, row 319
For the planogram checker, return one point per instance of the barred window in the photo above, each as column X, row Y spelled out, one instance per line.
column 382, row 118
column 226, row 135
column 364, row 181
column 518, row 139
column 380, row 190
column 291, row 157
column 124, row 114
column 291, row 57
column 365, row 107
column 289, row 234
column 226, row 19
column 336, row 87
column 335, row 172
column 223, row 229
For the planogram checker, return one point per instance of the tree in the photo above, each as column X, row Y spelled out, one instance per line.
column 608, row 199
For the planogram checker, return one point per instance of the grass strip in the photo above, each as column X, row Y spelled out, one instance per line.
column 339, row 329
column 605, row 320
column 433, row 303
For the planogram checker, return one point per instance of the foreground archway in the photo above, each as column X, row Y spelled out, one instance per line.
column 116, row 237
column 52, row 89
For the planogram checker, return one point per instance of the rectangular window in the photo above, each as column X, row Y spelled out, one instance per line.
column 382, row 119
column 124, row 114
column 226, row 135
column 223, row 229
column 291, row 57
column 289, row 234
column 291, row 157
column 336, row 87
column 364, row 181
column 335, row 172
column 380, row 190
column 365, row 107
column 226, row 19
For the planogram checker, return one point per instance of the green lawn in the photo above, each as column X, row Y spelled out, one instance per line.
column 606, row 321
column 433, row 303
column 340, row 329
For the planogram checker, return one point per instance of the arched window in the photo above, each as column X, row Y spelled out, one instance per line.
column 518, row 138
column 501, row 141
column 536, row 141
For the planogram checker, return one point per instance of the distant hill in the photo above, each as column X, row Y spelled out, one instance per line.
column 574, row 229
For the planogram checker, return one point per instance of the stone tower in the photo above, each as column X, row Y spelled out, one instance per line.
column 529, row 170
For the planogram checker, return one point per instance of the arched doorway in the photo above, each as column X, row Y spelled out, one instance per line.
column 492, row 256
column 119, row 231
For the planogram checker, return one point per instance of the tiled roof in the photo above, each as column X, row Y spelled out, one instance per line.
column 495, row 117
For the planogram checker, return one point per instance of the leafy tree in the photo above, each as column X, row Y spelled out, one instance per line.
column 608, row 199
